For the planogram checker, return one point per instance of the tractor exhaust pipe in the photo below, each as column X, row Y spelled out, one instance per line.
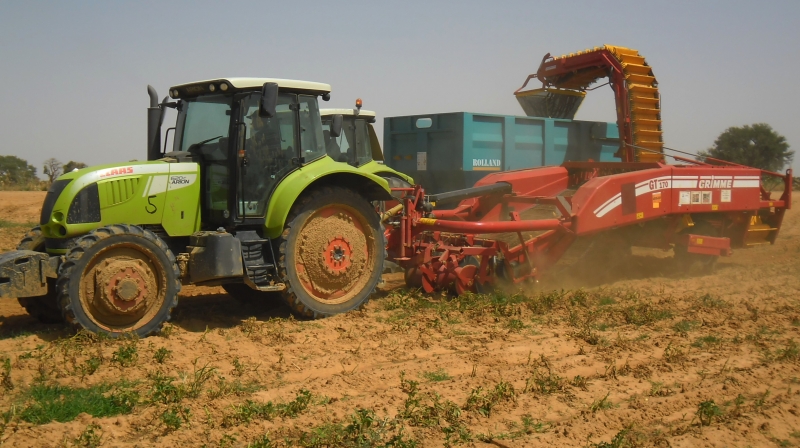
column 153, row 126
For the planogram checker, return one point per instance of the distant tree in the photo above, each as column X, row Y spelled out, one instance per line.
column 15, row 171
column 756, row 145
column 71, row 166
column 52, row 169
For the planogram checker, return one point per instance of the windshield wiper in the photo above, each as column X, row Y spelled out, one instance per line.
column 200, row 144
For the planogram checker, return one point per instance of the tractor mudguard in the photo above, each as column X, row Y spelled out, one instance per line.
column 24, row 273
column 316, row 174
column 379, row 169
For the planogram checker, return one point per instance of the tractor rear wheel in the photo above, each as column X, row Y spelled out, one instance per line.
column 119, row 279
column 44, row 308
column 331, row 253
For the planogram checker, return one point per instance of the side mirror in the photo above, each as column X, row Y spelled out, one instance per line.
column 336, row 125
column 163, row 110
column 269, row 100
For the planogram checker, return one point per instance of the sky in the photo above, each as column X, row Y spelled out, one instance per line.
column 73, row 75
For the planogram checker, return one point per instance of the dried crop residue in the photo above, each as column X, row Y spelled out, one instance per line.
column 648, row 358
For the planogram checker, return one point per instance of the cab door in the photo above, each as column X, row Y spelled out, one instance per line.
column 268, row 151
column 274, row 147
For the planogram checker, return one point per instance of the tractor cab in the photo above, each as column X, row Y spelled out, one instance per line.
column 357, row 143
column 246, row 135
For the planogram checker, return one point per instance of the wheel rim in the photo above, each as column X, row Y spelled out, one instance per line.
column 334, row 252
column 121, row 289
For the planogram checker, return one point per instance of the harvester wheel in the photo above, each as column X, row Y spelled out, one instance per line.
column 249, row 296
column 331, row 252
column 690, row 262
column 44, row 308
column 119, row 279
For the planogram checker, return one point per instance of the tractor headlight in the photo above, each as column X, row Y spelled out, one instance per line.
column 50, row 200
column 85, row 207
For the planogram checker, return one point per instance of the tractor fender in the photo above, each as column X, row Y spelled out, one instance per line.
column 379, row 169
column 313, row 176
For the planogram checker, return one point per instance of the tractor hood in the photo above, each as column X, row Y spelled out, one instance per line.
column 86, row 176
column 131, row 192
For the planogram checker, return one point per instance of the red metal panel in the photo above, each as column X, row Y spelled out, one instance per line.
column 541, row 181
column 598, row 204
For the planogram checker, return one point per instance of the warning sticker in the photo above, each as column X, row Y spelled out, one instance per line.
column 725, row 196
column 656, row 199
column 422, row 161
column 684, row 198
column 706, row 197
column 695, row 197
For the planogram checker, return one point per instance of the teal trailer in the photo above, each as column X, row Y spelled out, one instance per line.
column 451, row 151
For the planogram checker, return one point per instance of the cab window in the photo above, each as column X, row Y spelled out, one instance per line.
column 269, row 146
column 337, row 147
column 312, row 143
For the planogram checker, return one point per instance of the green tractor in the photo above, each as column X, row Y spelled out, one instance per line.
column 246, row 198
column 357, row 144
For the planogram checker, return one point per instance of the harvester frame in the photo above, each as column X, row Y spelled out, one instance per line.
column 699, row 210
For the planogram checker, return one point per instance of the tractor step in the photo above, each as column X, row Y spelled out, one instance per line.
column 260, row 272
column 254, row 242
column 272, row 288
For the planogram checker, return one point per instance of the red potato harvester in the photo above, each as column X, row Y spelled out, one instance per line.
column 701, row 209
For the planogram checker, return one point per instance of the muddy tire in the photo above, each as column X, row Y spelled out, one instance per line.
column 249, row 296
column 331, row 253
column 119, row 279
column 44, row 308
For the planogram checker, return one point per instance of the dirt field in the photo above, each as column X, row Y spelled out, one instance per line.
column 651, row 358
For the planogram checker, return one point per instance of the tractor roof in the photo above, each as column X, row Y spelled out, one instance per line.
column 347, row 112
column 212, row 85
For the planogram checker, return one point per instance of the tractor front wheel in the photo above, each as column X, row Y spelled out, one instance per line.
column 119, row 279
column 331, row 252
column 44, row 308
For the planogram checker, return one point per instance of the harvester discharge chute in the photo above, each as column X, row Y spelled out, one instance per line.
column 551, row 103
column 566, row 79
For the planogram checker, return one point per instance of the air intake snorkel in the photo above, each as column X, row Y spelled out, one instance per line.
column 154, row 113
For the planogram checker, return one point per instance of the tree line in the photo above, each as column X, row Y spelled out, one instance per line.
column 18, row 174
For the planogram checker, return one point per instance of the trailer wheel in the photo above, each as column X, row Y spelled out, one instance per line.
column 692, row 263
column 44, row 308
column 331, row 253
column 119, row 279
